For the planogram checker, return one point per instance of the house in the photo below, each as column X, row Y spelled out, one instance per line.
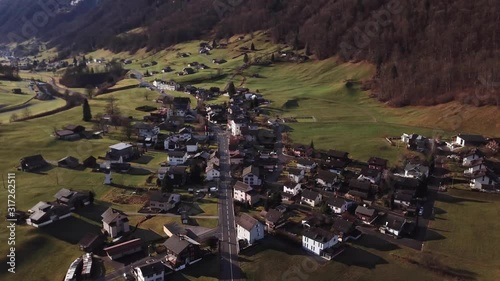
column 306, row 164
column 419, row 171
column 181, row 106
column 176, row 158
column 318, row 240
column 32, row 163
column 44, row 213
column 150, row 272
column 484, row 177
column 377, row 163
column 90, row 162
column 245, row 193
column 343, row 229
column 177, row 175
column 212, row 172
column 360, row 189
column 311, row 198
column 403, row 198
column 163, row 202
column 124, row 249
column 147, row 133
column 192, row 145
column 468, row 140
column 91, row 242
column 415, row 142
column 326, row 178
column 67, row 135
column 69, row 162
column 249, row 229
column 292, row 188
column 371, row 175
column 123, row 151
column 295, row 175
column 365, row 214
column 472, row 156
column 334, row 166
column 236, row 125
column 338, row 205
column 115, row 222
column 394, row 225
column 250, row 175
column 187, row 71
column 72, row 199
column 77, row 129
column 336, row 155
column 274, row 219
column 182, row 251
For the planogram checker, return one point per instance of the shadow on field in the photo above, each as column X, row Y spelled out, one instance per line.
column 144, row 159
column 357, row 257
column 455, row 200
column 433, row 235
column 94, row 212
column 373, row 242
column 70, row 230
column 23, row 252
column 208, row 267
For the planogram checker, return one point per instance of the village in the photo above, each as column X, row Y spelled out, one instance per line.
column 318, row 200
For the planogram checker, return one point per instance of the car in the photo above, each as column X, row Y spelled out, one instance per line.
column 421, row 211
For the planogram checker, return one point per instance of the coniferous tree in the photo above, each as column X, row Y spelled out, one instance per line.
column 252, row 47
column 245, row 58
column 87, row 115
column 231, row 89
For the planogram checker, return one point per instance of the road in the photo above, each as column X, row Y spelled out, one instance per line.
column 228, row 243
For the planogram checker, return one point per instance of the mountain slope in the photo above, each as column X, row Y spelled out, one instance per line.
column 426, row 52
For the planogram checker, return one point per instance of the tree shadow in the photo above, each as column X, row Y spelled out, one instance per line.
column 446, row 198
column 23, row 252
column 93, row 212
column 374, row 242
column 208, row 267
column 357, row 257
column 433, row 235
column 439, row 211
column 143, row 160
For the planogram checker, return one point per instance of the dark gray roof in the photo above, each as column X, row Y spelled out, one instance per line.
column 305, row 162
column 326, row 176
column 251, row 170
column 111, row 215
column 152, row 269
column 242, row 186
column 176, row 244
column 365, row 211
column 473, row 138
column 176, row 153
column 273, row 215
column 309, row 194
column 318, row 234
column 342, row 226
column 377, row 161
column 336, row 202
column 394, row 222
column 367, row 172
column 360, row 185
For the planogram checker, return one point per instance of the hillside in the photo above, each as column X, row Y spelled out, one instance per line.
column 426, row 52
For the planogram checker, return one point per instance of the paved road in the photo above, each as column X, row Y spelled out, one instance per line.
column 230, row 269
column 169, row 215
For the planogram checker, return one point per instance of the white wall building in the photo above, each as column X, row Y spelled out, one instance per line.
column 249, row 229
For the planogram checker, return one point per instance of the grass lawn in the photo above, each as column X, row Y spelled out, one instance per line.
column 466, row 232
column 371, row 260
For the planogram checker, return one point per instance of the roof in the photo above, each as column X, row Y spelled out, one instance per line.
column 326, row 176
column 241, row 186
column 337, row 154
column 151, row 269
column 341, row 226
column 472, row 138
column 89, row 239
column 70, row 161
column 74, row 127
column 63, row 192
column 120, row 146
column 403, row 196
column 309, row 194
column 365, row 211
column 246, row 221
column 360, row 185
column 394, row 222
column 124, row 247
column 142, row 125
column 416, row 167
column 111, row 215
column 406, row 183
column 254, row 170
column 305, row 162
column 295, row 171
column 360, row 194
column 372, row 173
column 176, row 244
column 63, row 133
column 377, row 161
column 273, row 216
column 336, row 202
column 33, row 159
column 318, row 234
column 176, row 154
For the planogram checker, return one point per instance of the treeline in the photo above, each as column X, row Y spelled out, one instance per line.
column 426, row 52
column 82, row 76
column 9, row 73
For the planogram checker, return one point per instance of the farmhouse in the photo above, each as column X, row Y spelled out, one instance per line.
column 121, row 152
column 468, row 140
column 274, row 219
column 66, row 135
column 176, row 158
column 33, row 163
column 212, row 172
column 377, row 163
column 416, row 171
column 318, row 241
column 44, row 213
column 338, row 205
column 182, row 251
column 150, row 272
column 311, row 198
column 326, row 178
column 72, row 199
column 69, row 162
column 343, row 229
column 245, row 193
column 366, row 215
column 249, row 229
column 115, row 222
column 163, row 202
column 306, row 164
column 472, row 156
column 295, row 175
column 371, row 175
column 250, row 175
column 292, row 188
column 394, row 225
column 124, row 249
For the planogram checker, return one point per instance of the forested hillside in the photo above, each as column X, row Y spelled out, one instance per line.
column 426, row 51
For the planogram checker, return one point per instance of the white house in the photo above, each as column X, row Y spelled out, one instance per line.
column 311, row 198
column 192, row 145
column 176, row 158
column 337, row 205
column 394, row 225
column 296, row 175
column 236, row 125
column 115, row 222
column 371, row 175
column 471, row 157
column 212, row 172
column 292, row 188
column 150, row 272
column 317, row 240
column 249, row 229
column 251, row 175
column 416, row 171
column 475, row 167
column 44, row 213
column 244, row 193
column 468, row 140
column 483, row 178
column 306, row 164
column 162, row 171
column 326, row 178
